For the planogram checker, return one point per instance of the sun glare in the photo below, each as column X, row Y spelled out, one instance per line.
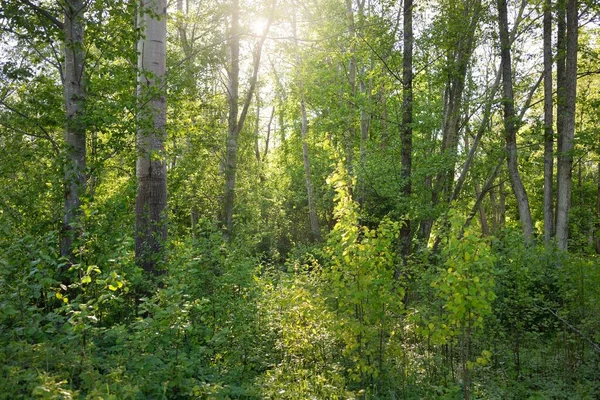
column 259, row 25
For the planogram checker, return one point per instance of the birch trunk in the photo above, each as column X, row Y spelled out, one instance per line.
column 151, row 200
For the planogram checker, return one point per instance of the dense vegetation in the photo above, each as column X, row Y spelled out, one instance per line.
column 362, row 199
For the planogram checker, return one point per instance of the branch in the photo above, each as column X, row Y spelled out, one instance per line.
column 594, row 345
column 44, row 136
column 44, row 13
column 254, row 77
column 488, row 186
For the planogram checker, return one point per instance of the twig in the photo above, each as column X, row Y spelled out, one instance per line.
column 594, row 345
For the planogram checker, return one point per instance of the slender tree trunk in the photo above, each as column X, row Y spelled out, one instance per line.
column 406, row 129
column 351, row 129
column 510, row 125
column 548, row 124
column 268, row 139
column 257, row 128
column 384, row 116
column 485, row 229
column 494, row 209
column 598, row 213
column 565, row 156
column 502, row 205
column 312, row 208
column 365, row 122
column 75, row 130
column 232, row 120
column 315, row 230
column 151, row 200
column 235, row 122
column 477, row 206
column 561, row 53
column 458, row 64
column 483, row 126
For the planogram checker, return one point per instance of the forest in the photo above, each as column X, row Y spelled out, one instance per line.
column 300, row 199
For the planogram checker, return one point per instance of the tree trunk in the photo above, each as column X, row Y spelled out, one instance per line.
column 151, row 201
column 75, row 130
column 365, row 122
column 232, row 121
column 257, row 130
column 494, row 209
column 235, row 123
column 598, row 213
column 351, row 129
column 458, row 62
column 315, row 231
column 455, row 86
column 548, row 123
column 510, row 125
column 561, row 53
column 406, row 129
column 502, row 205
column 485, row 228
column 567, row 135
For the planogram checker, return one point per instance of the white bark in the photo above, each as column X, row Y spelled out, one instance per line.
column 151, row 173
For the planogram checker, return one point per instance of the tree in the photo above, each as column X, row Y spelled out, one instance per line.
column 567, row 91
column 461, row 20
column 74, row 91
column 510, row 124
column 548, row 124
column 75, row 131
column 315, row 230
column 151, row 172
column 236, row 119
column 407, row 120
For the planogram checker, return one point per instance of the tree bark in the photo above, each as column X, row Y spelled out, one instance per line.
column 548, row 124
column 598, row 213
column 510, row 126
column 233, row 130
column 406, row 128
column 561, row 52
column 151, row 200
column 75, row 130
column 365, row 122
column 235, row 122
column 315, row 231
column 485, row 228
column 352, row 67
column 567, row 135
column 458, row 63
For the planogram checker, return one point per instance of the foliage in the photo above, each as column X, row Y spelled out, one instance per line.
column 472, row 312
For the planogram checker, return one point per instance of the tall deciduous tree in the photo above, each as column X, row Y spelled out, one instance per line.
column 407, row 120
column 74, row 89
column 235, row 120
column 151, row 172
column 548, row 123
column 315, row 230
column 75, row 131
column 463, row 20
column 567, row 91
column 510, row 124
